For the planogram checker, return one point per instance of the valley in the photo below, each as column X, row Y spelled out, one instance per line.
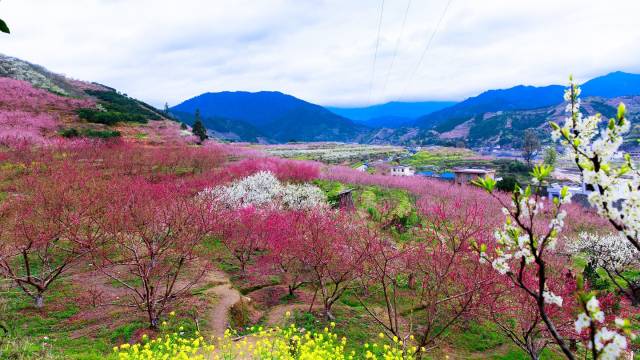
column 315, row 192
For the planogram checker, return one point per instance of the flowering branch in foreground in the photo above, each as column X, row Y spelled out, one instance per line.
column 524, row 245
column 593, row 147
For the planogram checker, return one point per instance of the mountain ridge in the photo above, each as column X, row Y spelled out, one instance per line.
column 279, row 117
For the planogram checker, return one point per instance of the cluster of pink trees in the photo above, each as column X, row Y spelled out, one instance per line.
column 25, row 126
column 48, row 225
column 154, row 246
column 434, row 281
column 133, row 213
column 126, row 210
column 169, row 132
column 18, row 94
column 39, row 111
column 283, row 169
column 319, row 247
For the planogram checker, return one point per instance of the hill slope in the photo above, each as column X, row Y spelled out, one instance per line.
column 37, row 105
column 515, row 98
column 277, row 116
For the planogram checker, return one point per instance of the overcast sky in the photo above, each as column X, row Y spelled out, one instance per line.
column 323, row 51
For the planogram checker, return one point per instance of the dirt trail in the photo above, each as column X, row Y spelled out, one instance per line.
column 226, row 297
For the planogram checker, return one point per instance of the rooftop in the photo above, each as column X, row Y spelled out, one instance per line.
column 473, row 171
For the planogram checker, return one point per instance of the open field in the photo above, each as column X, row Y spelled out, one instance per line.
column 334, row 152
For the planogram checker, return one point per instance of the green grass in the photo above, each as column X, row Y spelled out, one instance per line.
column 477, row 337
column 444, row 159
column 122, row 334
column 331, row 189
column 46, row 334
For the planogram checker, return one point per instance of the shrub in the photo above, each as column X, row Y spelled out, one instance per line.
column 102, row 134
column 117, row 103
column 69, row 133
column 508, row 183
column 109, row 117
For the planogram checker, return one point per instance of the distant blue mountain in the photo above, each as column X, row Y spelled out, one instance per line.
column 392, row 114
column 527, row 97
column 390, row 122
column 278, row 117
column 612, row 85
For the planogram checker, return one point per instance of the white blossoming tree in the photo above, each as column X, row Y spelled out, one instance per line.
column 615, row 256
column 263, row 189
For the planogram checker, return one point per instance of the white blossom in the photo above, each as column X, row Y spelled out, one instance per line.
column 593, row 305
column 582, row 322
column 609, row 343
column 264, row 189
column 611, row 252
column 305, row 196
column 551, row 298
column 616, row 196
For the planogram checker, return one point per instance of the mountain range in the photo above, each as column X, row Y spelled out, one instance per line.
column 493, row 117
column 267, row 116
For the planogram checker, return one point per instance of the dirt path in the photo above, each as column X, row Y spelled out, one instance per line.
column 226, row 297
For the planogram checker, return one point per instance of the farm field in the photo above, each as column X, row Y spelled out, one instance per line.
column 335, row 153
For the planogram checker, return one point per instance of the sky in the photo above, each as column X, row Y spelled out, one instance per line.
column 324, row 51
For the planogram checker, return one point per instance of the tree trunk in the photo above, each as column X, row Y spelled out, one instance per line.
column 313, row 301
column 153, row 322
column 412, row 281
column 153, row 318
column 39, row 300
column 327, row 311
column 329, row 315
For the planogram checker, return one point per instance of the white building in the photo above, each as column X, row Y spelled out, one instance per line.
column 402, row 171
column 362, row 168
column 579, row 193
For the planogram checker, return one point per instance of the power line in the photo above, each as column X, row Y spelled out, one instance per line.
column 395, row 50
column 375, row 53
column 426, row 48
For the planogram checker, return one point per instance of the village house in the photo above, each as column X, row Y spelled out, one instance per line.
column 579, row 193
column 402, row 170
column 463, row 176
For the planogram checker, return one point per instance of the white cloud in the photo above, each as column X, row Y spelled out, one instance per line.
column 322, row 51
